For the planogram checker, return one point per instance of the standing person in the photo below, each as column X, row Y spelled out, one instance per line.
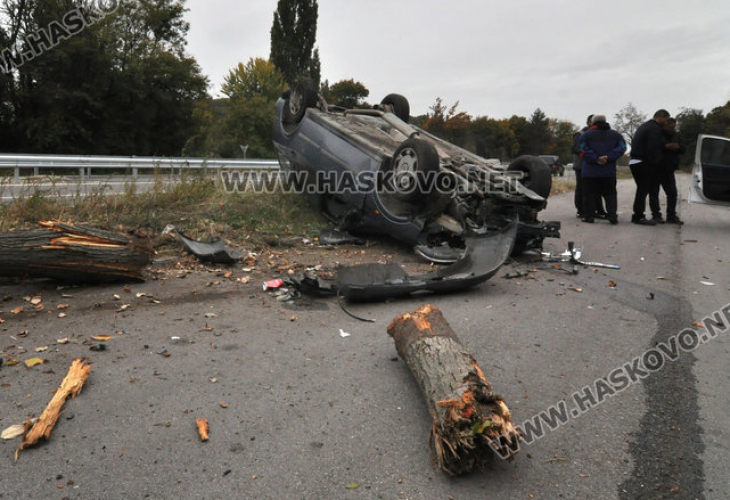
column 601, row 147
column 577, row 168
column 673, row 149
column 647, row 150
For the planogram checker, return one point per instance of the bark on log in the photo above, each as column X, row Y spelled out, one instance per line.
column 470, row 422
column 68, row 252
column 70, row 386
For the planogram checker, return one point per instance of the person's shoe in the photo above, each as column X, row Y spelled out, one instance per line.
column 675, row 220
column 602, row 215
column 579, row 215
column 589, row 220
column 613, row 220
column 644, row 222
column 658, row 219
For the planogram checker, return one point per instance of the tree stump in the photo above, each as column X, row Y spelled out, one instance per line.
column 72, row 253
column 470, row 422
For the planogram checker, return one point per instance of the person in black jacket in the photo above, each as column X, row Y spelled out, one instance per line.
column 601, row 147
column 647, row 151
column 673, row 149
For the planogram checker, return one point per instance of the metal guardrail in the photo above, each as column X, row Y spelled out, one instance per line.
column 86, row 165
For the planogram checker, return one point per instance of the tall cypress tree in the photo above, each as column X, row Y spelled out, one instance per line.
column 292, row 39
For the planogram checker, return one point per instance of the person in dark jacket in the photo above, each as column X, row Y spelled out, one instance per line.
column 577, row 168
column 601, row 147
column 673, row 149
column 647, row 151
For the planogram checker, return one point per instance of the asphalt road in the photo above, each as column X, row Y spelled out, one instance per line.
column 309, row 412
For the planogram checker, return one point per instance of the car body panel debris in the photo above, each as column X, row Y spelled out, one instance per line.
column 373, row 173
column 469, row 421
column 374, row 282
column 573, row 255
column 214, row 252
column 336, row 237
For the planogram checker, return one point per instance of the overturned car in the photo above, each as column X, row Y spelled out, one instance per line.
column 373, row 173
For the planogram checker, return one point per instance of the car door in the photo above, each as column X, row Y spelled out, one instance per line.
column 710, row 182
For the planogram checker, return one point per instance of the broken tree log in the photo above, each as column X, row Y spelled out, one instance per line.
column 470, row 422
column 70, row 386
column 72, row 253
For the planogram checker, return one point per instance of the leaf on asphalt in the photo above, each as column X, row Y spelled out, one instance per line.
column 62, row 306
column 352, row 486
column 612, row 283
column 30, row 363
column 101, row 338
column 117, row 297
column 17, row 310
column 223, row 405
column 62, row 315
column 41, row 349
column 2, row 321
column 35, row 299
column 708, row 283
column 139, row 295
column 63, row 341
column 207, row 328
column 210, row 315
column 123, row 308
column 576, row 289
column 698, row 324
column 13, row 362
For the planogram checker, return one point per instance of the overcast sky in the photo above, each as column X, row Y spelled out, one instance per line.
column 497, row 58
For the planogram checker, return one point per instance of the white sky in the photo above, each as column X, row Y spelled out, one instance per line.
column 570, row 58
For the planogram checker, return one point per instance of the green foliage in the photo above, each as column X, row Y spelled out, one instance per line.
column 252, row 91
column 122, row 85
column 690, row 123
column 346, row 93
column 293, row 34
column 718, row 121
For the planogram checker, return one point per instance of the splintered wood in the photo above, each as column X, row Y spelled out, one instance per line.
column 75, row 253
column 470, row 422
column 203, row 428
column 70, row 386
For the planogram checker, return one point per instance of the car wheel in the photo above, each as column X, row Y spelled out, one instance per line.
column 536, row 175
column 302, row 95
column 400, row 105
column 414, row 158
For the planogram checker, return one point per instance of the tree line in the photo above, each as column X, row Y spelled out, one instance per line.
column 114, row 77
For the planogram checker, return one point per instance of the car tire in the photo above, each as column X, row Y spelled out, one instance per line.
column 414, row 157
column 536, row 174
column 302, row 95
column 401, row 107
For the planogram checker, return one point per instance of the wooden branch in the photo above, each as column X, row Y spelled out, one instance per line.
column 71, row 386
column 470, row 422
column 68, row 252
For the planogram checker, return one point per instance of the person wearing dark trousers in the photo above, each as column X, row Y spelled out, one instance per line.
column 647, row 151
column 601, row 147
column 577, row 168
column 673, row 149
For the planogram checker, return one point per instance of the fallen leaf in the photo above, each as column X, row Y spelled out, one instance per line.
column 140, row 295
column 576, row 289
column 17, row 310
column 293, row 318
column 63, row 341
column 698, row 324
column 101, row 338
column 612, row 284
column 62, row 306
column 41, row 349
column 352, row 486
column 117, row 297
column 13, row 362
column 213, row 380
column 223, row 405
column 708, row 283
column 207, row 328
column 210, row 315
column 61, row 315
column 124, row 307
column 14, row 431
column 30, row 363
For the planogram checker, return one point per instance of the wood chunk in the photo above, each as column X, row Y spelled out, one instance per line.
column 203, row 428
column 70, row 386
column 470, row 422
